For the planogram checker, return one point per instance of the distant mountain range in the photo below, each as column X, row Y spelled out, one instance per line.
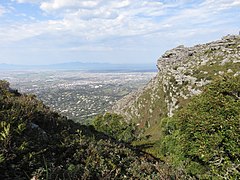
column 84, row 67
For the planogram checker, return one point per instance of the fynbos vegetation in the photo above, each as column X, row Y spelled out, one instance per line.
column 189, row 114
column 184, row 125
column 36, row 142
column 203, row 138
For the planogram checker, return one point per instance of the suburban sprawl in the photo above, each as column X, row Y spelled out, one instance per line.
column 76, row 94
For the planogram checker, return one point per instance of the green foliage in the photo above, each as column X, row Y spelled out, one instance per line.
column 38, row 143
column 203, row 138
column 115, row 126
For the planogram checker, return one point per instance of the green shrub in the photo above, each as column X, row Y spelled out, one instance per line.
column 36, row 143
column 115, row 126
column 203, row 138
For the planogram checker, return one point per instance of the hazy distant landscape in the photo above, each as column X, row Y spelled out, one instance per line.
column 80, row 66
column 78, row 95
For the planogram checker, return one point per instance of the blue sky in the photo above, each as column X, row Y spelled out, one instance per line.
column 113, row 31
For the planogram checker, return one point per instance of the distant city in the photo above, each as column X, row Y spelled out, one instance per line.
column 79, row 95
column 90, row 67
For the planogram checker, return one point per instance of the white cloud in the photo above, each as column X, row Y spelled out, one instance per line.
column 236, row 3
column 89, row 48
column 2, row 10
column 29, row 1
column 95, row 20
column 59, row 4
column 220, row 4
column 121, row 4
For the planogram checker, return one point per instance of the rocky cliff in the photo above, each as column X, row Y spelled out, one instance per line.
column 183, row 71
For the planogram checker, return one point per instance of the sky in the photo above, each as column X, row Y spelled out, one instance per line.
column 109, row 31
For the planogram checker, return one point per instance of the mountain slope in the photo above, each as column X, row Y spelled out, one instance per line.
column 40, row 144
column 183, row 72
column 203, row 138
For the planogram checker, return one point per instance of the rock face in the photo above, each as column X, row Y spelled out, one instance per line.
column 183, row 72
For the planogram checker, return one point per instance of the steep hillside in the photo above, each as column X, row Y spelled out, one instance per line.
column 36, row 143
column 203, row 138
column 183, row 72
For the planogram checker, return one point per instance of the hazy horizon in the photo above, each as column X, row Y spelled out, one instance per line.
column 40, row 32
column 81, row 62
column 79, row 66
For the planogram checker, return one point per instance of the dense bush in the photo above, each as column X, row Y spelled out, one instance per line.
column 203, row 138
column 36, row 142
column 115, row 126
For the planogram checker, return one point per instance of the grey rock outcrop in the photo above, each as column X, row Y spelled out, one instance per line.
column 183, row 72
